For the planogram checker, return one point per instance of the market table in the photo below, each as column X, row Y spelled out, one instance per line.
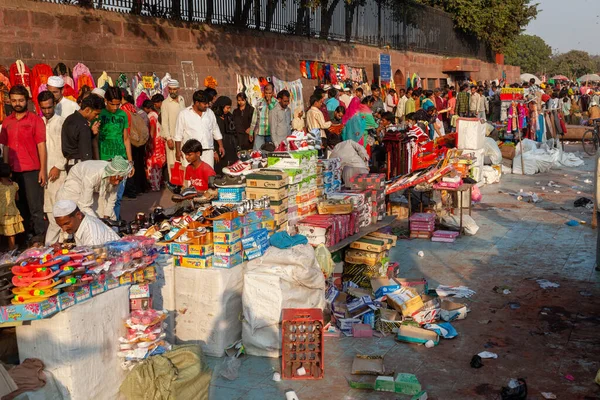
column 79, row 345
column 460, row 192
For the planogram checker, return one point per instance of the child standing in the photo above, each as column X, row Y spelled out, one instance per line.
column 197, row 172
column 11, row 222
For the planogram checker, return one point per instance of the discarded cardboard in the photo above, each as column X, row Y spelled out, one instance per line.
column 362, row 331
column 368, row 365
column 412, row 334
column 406, row 300
column 449, row 311
column 407, row 384
column 383, row 286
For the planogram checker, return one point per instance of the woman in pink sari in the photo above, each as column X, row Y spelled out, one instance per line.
column 358, row 120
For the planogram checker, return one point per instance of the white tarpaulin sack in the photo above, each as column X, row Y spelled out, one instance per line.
column 471, row 133
column 282, row 278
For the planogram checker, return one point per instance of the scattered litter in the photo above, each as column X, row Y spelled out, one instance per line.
column 544, row 188
column 514, row 305
column 573, row 223
column 557, row 191
column 420, row 254
column 476, row 362
column 456, row 291
column 552, row 184
column 516, row 390
column 585, row 293
column 291, row 395
column 502, row 289
column 276, row 376
column 429, row 344
column 404, row 384
column 569, row 377
column 537, row 183
column 368, row 365
column 487, row 354
column 490, row 345
column 444, row 329
column 583, row 202
column 548, row 395
column 484, row 321
column 230, row 368
column 588, row 181
column 301, row 371
column 546, row 284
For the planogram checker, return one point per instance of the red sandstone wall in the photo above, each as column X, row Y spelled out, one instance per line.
column 43, row 32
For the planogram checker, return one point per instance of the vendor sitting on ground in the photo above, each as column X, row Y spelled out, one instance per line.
column 197, row 173
column 353, row 157
column 87, row 230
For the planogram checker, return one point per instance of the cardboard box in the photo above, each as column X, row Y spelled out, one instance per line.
column 508, row 151
column 97, row 288
column 413, row 334
column 373, row 245
column 280, row 218
column 228, row 249
column 200, row 250
column 251, row 217
column 274, row 194
column 83, row 293
column 362, row 331
column 144, row 303
column 279, row 206
column 178, row 249
column 256, row 240
column 194, row 262
column 139, row 291
column 248, row 229
column 405, row 300
column 112, row 283
column 363, row 257
column 67, row 299
column 267, row 179
column 345, row 325
column 268, row 225
column 393, row 238
column 383, row 286
column 407, row 384
column 227, row 237
column 449, row 311
column 29, row 312
column 229, row 261
column 226, row 225
column 420, row 285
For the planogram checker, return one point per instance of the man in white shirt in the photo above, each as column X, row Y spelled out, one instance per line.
column 86, row 229
column 198, row 122
column 170, row 110
column 314, row 116
column 401, row 105
column 56, row 161
column 346, row 97
column 64, row 107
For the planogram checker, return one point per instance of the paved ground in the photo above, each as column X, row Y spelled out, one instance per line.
column 553, row 334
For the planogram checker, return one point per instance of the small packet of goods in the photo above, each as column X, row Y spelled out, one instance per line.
column 145, row 335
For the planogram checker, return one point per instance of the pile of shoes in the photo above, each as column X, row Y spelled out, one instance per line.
column 247, row 161
column 300, row 140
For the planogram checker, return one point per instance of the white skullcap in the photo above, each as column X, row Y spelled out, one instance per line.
column 62, row 208
column 56, row 81
column 99, row 92
column 173, row 83
column 347, row 89
column 326, row 87
column 337, row 87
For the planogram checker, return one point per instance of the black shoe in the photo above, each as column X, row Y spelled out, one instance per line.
column 175, row 189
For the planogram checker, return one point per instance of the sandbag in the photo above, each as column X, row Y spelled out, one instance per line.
column 281, row 278
column 492, row 151
column 453, row 221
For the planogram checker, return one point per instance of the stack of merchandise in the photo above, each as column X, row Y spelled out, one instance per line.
column 49, row 280
column 329, row 176
column 301, row 168
column 274, row 185
column 422, row 225
column 373, row 185
column 255, row 244
column 444, row 236
column 145, row 337
column 359, row 203
column 368, row 258
column 227, row 236
column 327, row 229
column 471, row 140
column 450, row 181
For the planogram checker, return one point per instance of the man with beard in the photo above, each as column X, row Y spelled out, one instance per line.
column 24, row 138
column 170, row 109
column 77, row 134
column 64, row 107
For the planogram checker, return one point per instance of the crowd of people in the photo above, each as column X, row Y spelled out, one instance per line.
column 101, row 143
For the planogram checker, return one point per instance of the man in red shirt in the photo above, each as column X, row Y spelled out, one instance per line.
column 197, row 172
column 24, row 138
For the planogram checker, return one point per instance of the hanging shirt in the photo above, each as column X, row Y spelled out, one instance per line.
column 198, row 177
column 85, row 179
column 93, row 232
column 65, row 107
column 110, row 136
column 203, row 128
column 22, row 136
column 170, row 110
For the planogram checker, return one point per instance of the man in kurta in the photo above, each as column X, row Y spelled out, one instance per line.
column 170, row 109
column 56, row 161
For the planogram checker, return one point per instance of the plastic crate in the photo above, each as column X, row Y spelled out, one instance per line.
column 302, row 343
column 232, row 194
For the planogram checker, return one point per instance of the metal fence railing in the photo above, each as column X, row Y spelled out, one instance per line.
column 403, row 25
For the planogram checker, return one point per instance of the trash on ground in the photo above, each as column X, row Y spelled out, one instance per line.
column 276, row 377
column 429, row 344
column 413, row 334
column 585, row 293
column 546, row 284
column 230, row 368
column 444, row 329
column 404, row 384
column 514, row 305
column 420, row 254
column 291, row 395
column 569, row 377
column 487, row 354
column 584, row 202
column 548, row 395
column 454, row 291
column 573, row 223
column 476, row 362
column 588, row 181
column 516, row 390
column 368, row 365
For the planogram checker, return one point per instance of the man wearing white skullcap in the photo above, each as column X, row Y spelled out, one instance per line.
column 169, row 112
column 86, row 229
column 64, row 107
column 99, row 92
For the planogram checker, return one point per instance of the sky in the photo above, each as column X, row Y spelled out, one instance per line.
column 568, row 25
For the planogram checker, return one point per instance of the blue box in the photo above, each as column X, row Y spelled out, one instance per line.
column 232, row 194
column 66, row 300
column 227, row 225
column 227, row 261
column 29, row 312
column 83, row 293
column 256, row 239
column 249, row 229
column 178, row 249
column 97, row 288
column 251, row 217
column 255, row 253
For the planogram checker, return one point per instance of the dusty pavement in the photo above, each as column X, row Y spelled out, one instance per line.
column 549, row 337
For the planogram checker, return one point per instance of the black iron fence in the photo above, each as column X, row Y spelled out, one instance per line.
column 399, row 24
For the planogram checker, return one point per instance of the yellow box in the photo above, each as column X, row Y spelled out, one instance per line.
column 194, row 262
column 227, row 249
column 200, row 250
column 227, row 237
column 405, row 300
column 269, row 225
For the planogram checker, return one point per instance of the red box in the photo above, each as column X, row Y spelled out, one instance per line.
column 302, row 343
column 144, row 303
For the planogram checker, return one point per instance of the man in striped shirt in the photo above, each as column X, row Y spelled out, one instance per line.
column 462, row 102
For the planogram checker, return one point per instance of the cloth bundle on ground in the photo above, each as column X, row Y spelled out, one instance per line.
column 492, row 151
column 541, row 159
column 281, row 278
column 29, row 376
column 177, row 374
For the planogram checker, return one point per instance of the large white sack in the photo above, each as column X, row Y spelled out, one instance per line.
column 469, row 225
column 528, row 145
column 492, row 151
column 471, row 133
column 282, row 278
column 490, row 175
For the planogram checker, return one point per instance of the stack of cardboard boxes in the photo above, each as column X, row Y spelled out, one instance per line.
column 373, row 185
column 422, row 225
column 329, row 176
column 275, row 185
column 368, row 258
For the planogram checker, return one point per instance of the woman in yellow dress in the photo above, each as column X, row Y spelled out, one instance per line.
column 11, row 222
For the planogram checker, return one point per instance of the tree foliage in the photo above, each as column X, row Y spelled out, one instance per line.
column 497, row 22
column 573, row 64
column 529, row 52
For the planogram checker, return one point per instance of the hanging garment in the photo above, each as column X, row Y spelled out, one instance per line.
column 39, row 77
column 559, row 130
column 62, row 70
column 20, row 74
column 303, row 69
column 82, row 77
column 164, row 84
column 121, row 82
column 104, row 81
column 540, row 133
column 563, row 125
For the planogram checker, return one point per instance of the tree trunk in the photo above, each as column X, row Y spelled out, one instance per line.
column 210, row 9
column 136, row 7
column 302, row 15
column 257, row 14
column 242, row 12
column 176, row 9
column 271, row 6
column 326, row 17
column 350, row 9
column 190, row 4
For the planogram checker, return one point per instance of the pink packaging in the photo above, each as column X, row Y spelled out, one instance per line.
column 422, row 217
column 445, row 234
column 422, row 226
column 362, row 330
column 443, row 239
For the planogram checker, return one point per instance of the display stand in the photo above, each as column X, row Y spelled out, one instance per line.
column 206, row 308
column 363, row 232
column 79, row 345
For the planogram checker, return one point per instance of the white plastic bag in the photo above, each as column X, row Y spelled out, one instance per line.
column 490, row 175
column 492, row 151
column 469, row 225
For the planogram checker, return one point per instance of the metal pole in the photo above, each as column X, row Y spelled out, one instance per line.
column 597, row 207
